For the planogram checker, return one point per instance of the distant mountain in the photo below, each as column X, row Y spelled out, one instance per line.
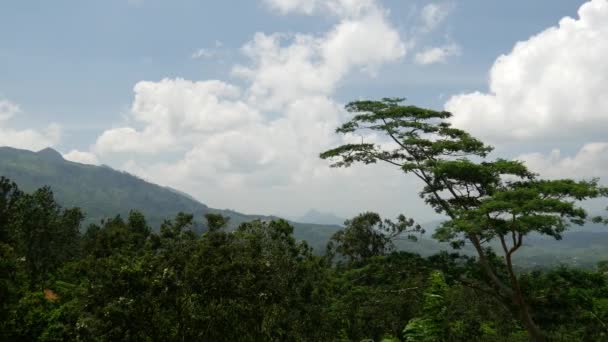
column 318, row 217
column 50, row 155
column 103, row 192
column 579, row 246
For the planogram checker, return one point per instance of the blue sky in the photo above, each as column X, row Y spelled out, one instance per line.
column 74, row 65
column 76, row 62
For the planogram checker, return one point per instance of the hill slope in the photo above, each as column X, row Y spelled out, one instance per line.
column 102, row 192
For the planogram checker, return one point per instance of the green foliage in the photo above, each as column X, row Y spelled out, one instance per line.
column 120, row 281
column 8, row 286
column 216, row 221
column 100, row 191
column 123, row 280
column 579, row 295
column 429, row 326
column 376, row 297
column 367, row 235
column 485, row 201
column 9, row 195
column 45, row 235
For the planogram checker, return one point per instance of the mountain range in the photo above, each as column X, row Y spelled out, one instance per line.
column 103, row 192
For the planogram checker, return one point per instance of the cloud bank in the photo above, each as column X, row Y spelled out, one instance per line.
column 254, row 144
column 259, row 140
column 30, row 139
column 551, row 87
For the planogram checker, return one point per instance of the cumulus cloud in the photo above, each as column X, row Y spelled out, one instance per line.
column 174, row 113
column 313, row 65
column 590, row 161
column 266, row 134
column 437, row 54
column 551, row 87
column 81, row 157
column 24, row 138
column 283, row 72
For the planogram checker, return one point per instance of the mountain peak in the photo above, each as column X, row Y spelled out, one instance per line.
column 50, row 154
column 318, row 217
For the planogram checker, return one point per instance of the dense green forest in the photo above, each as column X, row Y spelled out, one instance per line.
column 124, row 279
column 121, row 281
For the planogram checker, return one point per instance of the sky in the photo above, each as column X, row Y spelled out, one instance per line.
column 232, row 101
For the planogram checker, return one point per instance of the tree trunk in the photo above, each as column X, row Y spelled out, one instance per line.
column 533, row 330
column 487, row 268
column 514, row 291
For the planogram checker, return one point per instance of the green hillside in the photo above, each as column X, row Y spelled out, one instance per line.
column 103, row 192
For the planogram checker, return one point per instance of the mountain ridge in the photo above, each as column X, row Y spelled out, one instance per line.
column 102, row 192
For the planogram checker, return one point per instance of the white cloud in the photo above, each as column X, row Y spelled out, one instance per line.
column 433, row 14
column 342, row 8
column 313, row 65
column 24, row 138
column 236, row 144
column 127, row 139
column 28, row 138
column 174, row 113
column 590, row 161
column 287, row 6
column 202, row 53
column 8, row 110
column 437, row 54
column 81, row 157
column 551, row 87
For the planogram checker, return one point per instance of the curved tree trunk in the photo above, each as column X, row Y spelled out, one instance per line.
column 535, row 333
column 514, row 291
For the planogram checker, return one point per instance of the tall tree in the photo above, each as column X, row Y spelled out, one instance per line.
column 46, row 235
column 9, row 195
column 485, row 200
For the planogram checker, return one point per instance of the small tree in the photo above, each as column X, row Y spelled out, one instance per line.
column 485, row 200
column 216, row 222
column 367, row 235
column 430, row 327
